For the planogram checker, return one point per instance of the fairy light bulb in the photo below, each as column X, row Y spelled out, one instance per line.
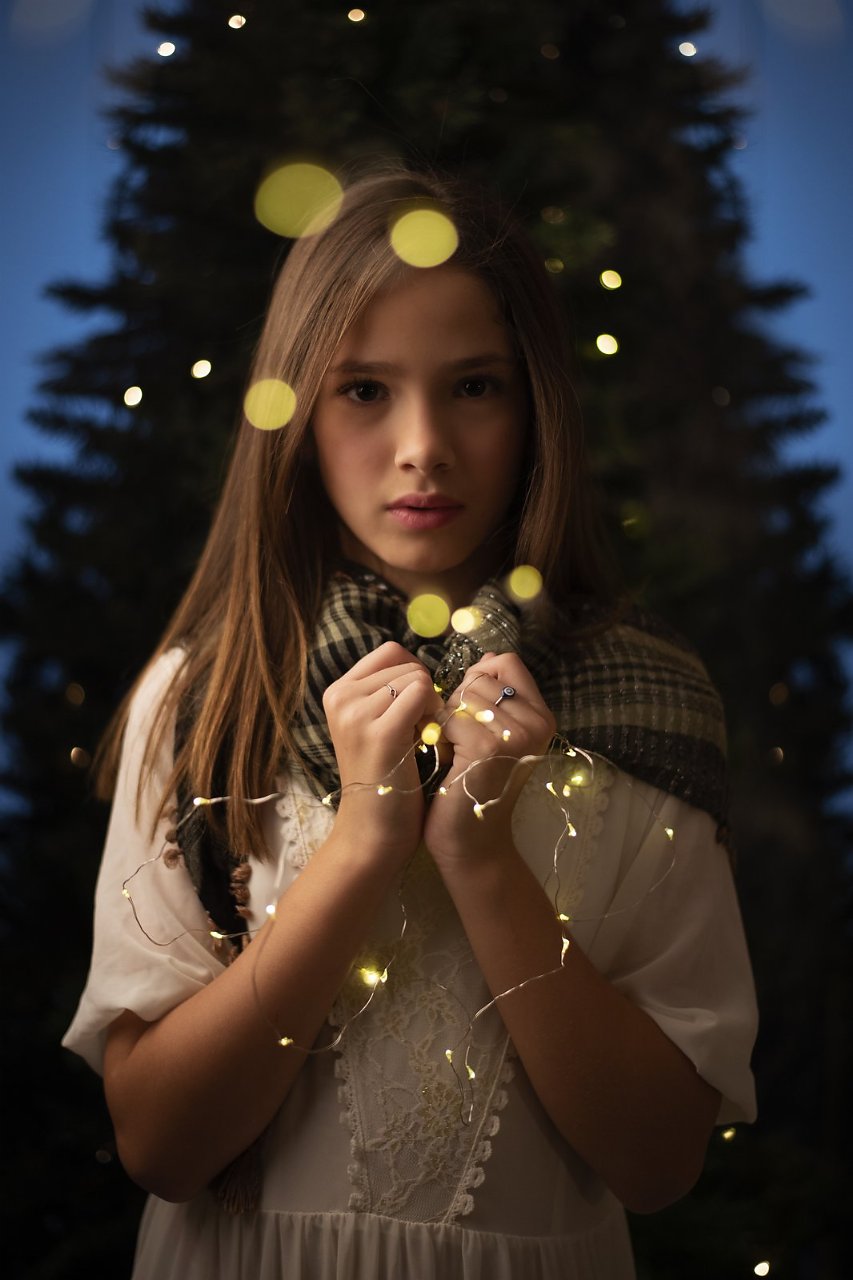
column 506, row 735
column 431, row 733
column 466, row 620
column 472, row 1075
column 382, row 790
column 284, row 1041
column 762, row 1268
column 485, row 716
column 670, row 834
column 270, row 910
column 728, row 1134
column 478, row 811
column 610, row 280
column 567, row 942
column 373, row 977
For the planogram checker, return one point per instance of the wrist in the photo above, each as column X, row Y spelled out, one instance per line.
column 372, row 830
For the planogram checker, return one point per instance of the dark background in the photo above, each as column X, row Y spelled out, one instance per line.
column 712, row 431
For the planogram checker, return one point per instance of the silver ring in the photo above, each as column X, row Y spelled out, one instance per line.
column 392, row 691
column 506, row 692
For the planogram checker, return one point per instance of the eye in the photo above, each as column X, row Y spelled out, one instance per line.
column 364, row 391
column 476, row 388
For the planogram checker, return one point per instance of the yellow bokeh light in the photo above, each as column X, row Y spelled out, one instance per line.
column 486, row 716
column 356, row 15
column 132, row 396
column 431, row 733
column 201, row 368
column 728, row 1134
column 236, row 21
column 555, row 265
column 428, row 615
column 80, row 757
column 525, row 582
column 607, row 344
column 298, row 200
column 762, row 1268
column 166, row 49
column 687, row 49
column 610, row 279
column 424, row 237
column 466, row 620
column 269, row 404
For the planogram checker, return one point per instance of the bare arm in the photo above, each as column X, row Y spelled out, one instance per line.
column 626, row 1098
column 191, row 1091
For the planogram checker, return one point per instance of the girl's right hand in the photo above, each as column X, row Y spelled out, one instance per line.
column 372, row 732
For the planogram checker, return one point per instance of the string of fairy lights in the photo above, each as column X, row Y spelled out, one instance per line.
column 576, row 772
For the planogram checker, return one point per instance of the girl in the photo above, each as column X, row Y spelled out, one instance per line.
column 497, row 986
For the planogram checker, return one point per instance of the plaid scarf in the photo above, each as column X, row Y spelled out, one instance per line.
column 629, row 689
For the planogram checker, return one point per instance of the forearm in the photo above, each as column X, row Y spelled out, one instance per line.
column 625, row 1097
column 191, row 1091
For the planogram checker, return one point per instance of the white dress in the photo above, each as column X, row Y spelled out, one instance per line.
column 382, row 1161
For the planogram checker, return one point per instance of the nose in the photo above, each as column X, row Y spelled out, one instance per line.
column 423, row 440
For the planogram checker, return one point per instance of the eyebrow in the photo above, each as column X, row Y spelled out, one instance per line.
column 383, row 366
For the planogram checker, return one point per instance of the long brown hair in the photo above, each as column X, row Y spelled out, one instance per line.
column 247, row 617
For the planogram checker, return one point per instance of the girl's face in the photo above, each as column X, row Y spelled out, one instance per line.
column 420, row 426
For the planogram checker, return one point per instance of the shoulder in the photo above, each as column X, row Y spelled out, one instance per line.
column 153, row 685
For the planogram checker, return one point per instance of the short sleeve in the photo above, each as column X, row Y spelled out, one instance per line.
column 150, row 961
column 681, row 954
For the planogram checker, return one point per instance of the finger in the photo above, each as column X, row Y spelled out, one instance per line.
column 389, row 654
column 508, row 670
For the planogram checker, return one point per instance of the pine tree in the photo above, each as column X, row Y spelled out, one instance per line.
column 615, row 149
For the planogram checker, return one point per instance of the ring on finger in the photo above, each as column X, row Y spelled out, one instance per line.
column 392, row 691
column 506, row 692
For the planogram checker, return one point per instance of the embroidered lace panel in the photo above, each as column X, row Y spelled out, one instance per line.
column 420, row 1141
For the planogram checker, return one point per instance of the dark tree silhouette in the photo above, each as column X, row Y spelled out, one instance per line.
column 615, row 149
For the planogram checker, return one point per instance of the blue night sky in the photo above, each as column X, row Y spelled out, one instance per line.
column 795, row 169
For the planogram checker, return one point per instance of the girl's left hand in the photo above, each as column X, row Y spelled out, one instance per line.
column 488, row 735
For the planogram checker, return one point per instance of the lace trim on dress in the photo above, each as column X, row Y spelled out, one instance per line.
column 296, row 809
column 421, row 1135
column 418, row 1140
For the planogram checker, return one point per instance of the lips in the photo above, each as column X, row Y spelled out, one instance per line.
column 424, row 502
column 424, row 510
